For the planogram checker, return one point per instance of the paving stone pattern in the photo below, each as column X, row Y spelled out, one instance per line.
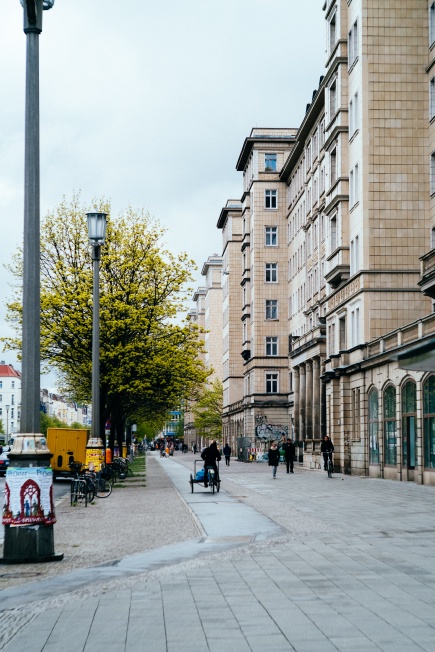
column 351, row 569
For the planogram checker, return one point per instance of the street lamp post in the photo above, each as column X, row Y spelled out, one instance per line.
column 7, row 422
column 97, row 222
column 29, row 533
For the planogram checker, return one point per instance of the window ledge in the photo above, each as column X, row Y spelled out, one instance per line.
column 354, row 62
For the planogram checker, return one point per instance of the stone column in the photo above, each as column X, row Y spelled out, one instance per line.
column 309, row 399
column 316, row 399
column 302, row 403
column 296, row 406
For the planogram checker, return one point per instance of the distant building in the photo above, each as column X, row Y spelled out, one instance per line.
column 10, row 398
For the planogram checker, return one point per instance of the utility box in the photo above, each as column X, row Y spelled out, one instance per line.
column 67, row 445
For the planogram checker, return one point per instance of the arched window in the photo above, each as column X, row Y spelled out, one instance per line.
column 429, row 422
column 409, row 418
column 374, row 427
column 390, row 427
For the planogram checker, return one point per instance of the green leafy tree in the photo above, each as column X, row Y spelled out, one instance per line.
column 50, row 422
column 148, row 357
column 2, row 430
column 207, row 411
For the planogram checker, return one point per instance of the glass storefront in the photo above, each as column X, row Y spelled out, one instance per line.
column 409, row 416
column 429, row 422
column 374, row 426
column 390, row 430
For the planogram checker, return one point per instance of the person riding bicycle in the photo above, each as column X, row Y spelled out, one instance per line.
column 211, row 455
column 326, row 448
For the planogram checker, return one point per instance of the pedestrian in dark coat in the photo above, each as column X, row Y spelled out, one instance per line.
column 289, row 454
column 227, row 453
column 274, row 459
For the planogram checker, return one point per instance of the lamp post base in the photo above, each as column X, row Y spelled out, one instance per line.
column 29, row 544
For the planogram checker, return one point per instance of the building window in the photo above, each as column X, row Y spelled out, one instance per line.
column 1, row 383
column 332, row 100
column 342, row 333
column 390, row 428
column 270, row 162
column 271, row 199
column 271, row 272
column 432, row 238
column 12, row 399
column 353, row 44
column 271, row 346
column 332, row 32
column 432, row 98
column 432, row 173
column 355, row 325
column 374, row 427
column 432, row 24
column 271, row 308
column 353, row 115
column 12, row 413
column 271, row 383
column 356, row 420
column 429, row 422
column 333, row 233
column 409, row 420
column 271, row 236
column 13, row 384
column 333, row 166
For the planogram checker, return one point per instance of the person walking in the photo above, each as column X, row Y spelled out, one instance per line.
column 227, row 453
column 289, row 454
column 274, row 459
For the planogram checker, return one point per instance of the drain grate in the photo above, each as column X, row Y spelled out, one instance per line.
column 15, row 575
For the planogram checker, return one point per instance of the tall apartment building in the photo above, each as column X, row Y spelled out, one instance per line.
column 259, row 329
column 337, row 253
column 207, row 315
column 230, row 221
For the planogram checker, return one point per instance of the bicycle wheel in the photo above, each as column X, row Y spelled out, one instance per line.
column 218, row 486
column 73, row 491
column 103, row 488
column 211, row 481
column 191, row 482
column 81, row 492
column 329, row 469
column 90, row 489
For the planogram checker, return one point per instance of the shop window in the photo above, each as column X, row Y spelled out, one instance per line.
column 390, row 428
column 429, row 422
column 374, row 426
column 409, row 416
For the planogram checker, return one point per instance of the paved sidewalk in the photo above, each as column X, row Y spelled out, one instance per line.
column 301, row 563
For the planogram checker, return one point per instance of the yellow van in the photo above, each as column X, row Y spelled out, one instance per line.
column 67, row 445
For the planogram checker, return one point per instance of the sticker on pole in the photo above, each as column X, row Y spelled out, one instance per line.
column 28, row 496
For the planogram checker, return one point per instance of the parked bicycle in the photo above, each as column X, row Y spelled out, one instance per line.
column 79, row 486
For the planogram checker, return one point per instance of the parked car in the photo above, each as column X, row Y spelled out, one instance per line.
column 4, row 462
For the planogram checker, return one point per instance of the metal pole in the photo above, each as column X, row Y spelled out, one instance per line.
column 95, row 431
column 30, row 386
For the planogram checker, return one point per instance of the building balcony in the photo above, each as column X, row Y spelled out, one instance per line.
column 338, row 267
column 427, row 273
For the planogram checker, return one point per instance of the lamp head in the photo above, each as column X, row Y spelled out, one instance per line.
column 97, row 223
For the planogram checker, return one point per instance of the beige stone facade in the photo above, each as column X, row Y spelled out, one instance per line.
column 329, row 256
column 207, row 315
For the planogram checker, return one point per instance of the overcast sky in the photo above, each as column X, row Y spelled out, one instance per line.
column 148, row 103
